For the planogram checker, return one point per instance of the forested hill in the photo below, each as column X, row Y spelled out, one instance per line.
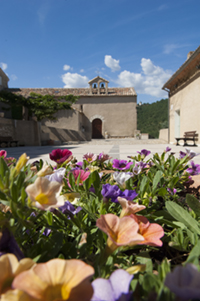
column 152, row 117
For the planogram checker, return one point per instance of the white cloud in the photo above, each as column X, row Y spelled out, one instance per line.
column 112, row 63
column 149, row 81
column 66, row 67
column 74, row 80
column 3, row 66
column 43, row 11
column 169, row 48
column 13, row 77
column 82, row 70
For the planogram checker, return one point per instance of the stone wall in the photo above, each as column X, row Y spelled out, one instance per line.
column 25, row 132
column 163, row 135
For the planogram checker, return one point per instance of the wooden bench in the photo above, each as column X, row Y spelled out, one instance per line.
column 7, row 141
column 188, row 136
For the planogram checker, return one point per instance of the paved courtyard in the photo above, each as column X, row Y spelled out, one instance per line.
column 116, row 148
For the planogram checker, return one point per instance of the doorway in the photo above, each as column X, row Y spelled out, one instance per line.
column 97, row 129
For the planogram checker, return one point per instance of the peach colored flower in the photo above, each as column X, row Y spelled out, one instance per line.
column 10, row 267
column 129, row 207
column 121, row 231
column 45, row 170
column 57, row 279
column 45, row 194
column 151, row 232
column 23, row 159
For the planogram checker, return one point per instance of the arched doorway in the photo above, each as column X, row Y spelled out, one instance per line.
column 97, row 128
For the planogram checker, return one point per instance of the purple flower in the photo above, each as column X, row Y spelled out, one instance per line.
column 144, row 153
column 167, row 149
column 46, row 232
column 68, row 208
column 184, row 282
column 191, row 154
column 8, row 244
column 116, row 288
column 194, row 169
column 60, row 155
column 139, row 166
column 172, row 192
column 121, row 164
column 110, row 192
column 79, row 164
column 129, row 195
column 57, row 176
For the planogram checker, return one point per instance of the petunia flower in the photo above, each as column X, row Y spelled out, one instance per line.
column 150, row 232
column 110, row 192
column 57, row 279
column 103, row 157
column 167, row 149
column 121, row 231
column 69, row 209
column 129, row 194
column 3, row 153
column 189, row 153
column 60, row 155
column 144, row 153
column 45, row 170
column 139, row 166
column 23, row 159
column 122, row 177
column 194, row 169
column 81, row 174
column 121, row 164
column 10, row 267
column 90, row 157
column 129, row 207
column 44, row 194
column 116, row 288
column 57, row 175
column 184, row 282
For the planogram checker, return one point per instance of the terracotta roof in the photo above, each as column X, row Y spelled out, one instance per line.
column 74, row 91
column 184, row 72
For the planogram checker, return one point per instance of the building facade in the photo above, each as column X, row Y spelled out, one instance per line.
column 184, row 97
column 100, row 112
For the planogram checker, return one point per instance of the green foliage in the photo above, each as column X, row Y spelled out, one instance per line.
column 41, row 106
column 152, row 117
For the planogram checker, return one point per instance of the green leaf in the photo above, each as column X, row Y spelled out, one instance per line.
column 143, row 185
column 193, row 203
column 156, row 179
column 3, row 167
column 195, row 252
column 182, row 216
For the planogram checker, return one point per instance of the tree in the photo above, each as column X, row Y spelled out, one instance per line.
column 41, row 106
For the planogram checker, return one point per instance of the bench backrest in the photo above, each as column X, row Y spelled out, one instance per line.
column 192, row 134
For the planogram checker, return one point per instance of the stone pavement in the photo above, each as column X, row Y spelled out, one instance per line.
column 116, row 148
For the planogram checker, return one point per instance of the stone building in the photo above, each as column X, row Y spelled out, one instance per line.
column 100, row 112
column 184, row 97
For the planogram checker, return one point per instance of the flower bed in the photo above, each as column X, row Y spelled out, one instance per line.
column 99, row 230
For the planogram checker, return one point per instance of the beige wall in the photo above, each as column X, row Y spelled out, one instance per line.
column 118, row 114
column 164, row 135
column 4, row 80
column 187, row 101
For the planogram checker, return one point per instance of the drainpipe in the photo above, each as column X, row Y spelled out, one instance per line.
column 168, row 91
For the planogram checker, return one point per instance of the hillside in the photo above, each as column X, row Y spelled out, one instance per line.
column 152, row 117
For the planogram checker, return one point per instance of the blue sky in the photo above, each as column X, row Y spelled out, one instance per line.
column 65, row 43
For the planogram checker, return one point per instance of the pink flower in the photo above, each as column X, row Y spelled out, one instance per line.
column 3, row 153
column 90, row 157
column 60, row 155
column 81, row 174
column 151, row 232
